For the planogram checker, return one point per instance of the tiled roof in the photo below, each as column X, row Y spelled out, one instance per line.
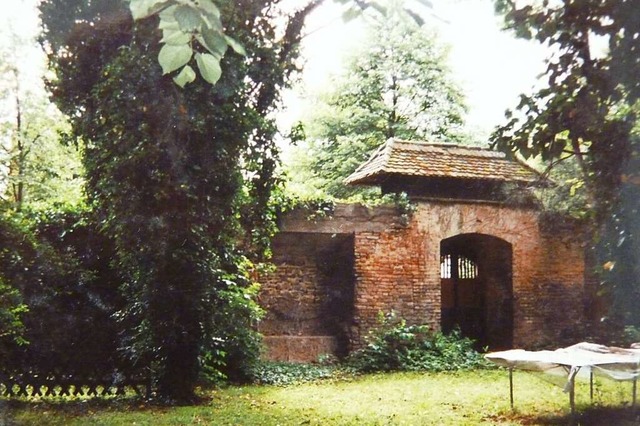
column 421, row 159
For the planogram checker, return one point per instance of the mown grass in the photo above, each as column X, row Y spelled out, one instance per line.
column 463, row 398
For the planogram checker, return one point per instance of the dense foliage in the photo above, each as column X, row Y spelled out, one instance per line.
column 587, row 114
column 395, row 345
column 60, row 264
column 78, row 296
column 180, row 179
column 17, row 257
column 396, row 85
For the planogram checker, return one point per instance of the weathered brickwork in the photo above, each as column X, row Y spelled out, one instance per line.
column 397, row 267
column 400, row 269
column 308, row 299
column 391, row 274
column 293, row 301
column 299, row 348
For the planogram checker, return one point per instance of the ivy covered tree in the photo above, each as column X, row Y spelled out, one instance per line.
column 396, row 85
column 587, row 114
column 179, row 178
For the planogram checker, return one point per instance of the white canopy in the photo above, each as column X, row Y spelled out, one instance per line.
column 613, row 362
column 616, row 363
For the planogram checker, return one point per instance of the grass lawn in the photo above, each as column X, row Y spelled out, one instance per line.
column 465, row 398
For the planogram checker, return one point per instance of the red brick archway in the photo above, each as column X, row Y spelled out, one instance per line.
column 476, row 273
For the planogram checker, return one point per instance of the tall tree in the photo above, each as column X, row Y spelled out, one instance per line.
column 174, row 174
column 587, row 112
column 396, row 85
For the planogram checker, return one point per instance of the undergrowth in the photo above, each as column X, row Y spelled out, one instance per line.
column 392, row 346
column 397, row 346
column 287, row 373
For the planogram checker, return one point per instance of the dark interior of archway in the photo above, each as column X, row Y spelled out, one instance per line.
column 477, row 289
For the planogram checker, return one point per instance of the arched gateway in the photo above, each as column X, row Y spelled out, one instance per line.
column 476, row 274
column 473, row 254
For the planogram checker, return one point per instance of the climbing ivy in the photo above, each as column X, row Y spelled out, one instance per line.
column 180, row 179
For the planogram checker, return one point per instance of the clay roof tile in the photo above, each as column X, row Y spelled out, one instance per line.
column 441, row 160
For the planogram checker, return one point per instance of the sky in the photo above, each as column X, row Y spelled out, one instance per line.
column 491, row 66
column 22, row 19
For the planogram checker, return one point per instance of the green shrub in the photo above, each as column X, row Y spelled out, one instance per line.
column 61, row 291
column 398, row 346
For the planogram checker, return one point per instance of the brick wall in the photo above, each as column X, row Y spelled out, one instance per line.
column 391, row 274
column 400, row 269
column 389, row 266
column 293, row 300
column 308, row 298
column 299, row 348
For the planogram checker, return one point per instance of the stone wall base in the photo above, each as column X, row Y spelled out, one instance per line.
column 298, row 348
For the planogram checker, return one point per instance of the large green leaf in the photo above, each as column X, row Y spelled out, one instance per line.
column 167, row 15
column 169, row 25
column 210, row 14
column 209, row 67
column 188, row 18
column 173, row 57
column 213, row 22
column 187, row 75
column 175, row 37
column 215, row 42
column 239, row 49
column 141, row 9
column 209, row 7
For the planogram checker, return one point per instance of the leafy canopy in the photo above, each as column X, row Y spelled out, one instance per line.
column 184, row 25
column 587, row 114
column 180, row 179
column 396, row 85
